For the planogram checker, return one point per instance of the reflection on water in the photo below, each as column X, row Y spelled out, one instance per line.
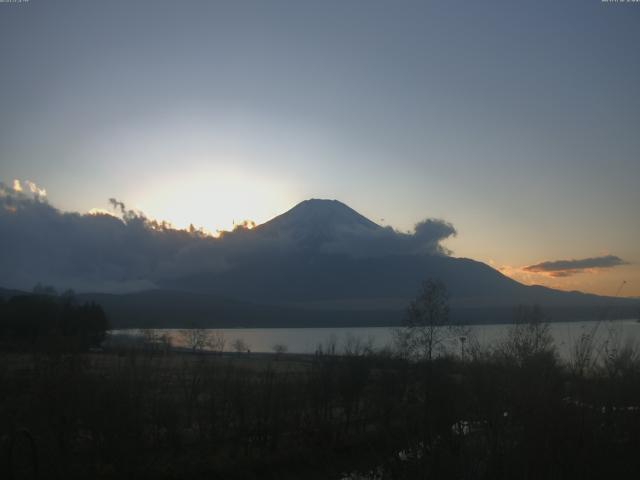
column 307, row 340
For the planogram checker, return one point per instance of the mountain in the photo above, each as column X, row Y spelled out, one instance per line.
column 319, row 264
column 313, row 224
column 326, row 257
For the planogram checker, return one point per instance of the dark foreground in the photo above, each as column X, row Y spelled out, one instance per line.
column 501, row 415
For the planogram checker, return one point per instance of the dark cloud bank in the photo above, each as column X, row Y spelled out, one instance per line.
column 566, row 268
column 128, row 251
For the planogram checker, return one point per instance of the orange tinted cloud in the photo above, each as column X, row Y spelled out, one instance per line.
column 567, row 268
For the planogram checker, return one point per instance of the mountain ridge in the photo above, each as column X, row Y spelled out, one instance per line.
column 310, row 276
column 322, row 263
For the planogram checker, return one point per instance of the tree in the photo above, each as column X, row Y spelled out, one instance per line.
column 427, row 324
column 196, row 339
column 279, row 349
column 529, row 336
column 217, row 341
column 156, row 340
column 48, row 321
column 40, row 289
column 239, row 345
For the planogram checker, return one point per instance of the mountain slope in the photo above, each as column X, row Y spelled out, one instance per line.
column 315, row 266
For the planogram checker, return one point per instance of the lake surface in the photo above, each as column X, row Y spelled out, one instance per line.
column 309, row 340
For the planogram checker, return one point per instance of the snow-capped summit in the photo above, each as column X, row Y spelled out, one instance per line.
column 316, row 222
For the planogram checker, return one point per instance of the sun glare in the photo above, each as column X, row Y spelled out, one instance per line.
column 215, row 202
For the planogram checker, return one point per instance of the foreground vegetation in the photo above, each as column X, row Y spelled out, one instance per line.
column 512, row 412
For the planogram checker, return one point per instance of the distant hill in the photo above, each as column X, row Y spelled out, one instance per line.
column 6, row 293
column 174, row 309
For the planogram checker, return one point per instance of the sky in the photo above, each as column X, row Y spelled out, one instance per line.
column 517, row 122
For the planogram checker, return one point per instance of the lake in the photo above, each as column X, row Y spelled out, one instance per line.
column 308, row 340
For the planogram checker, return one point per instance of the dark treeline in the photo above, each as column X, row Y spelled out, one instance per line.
column 47, row 321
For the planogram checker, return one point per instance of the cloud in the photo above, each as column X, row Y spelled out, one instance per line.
column 118, row 206
column 330, row 226
column 429, row 233
column 100, row 211
column 566, row 268
column 122, row 249
column 365, row 242
column 33, row 188
column 95, row 251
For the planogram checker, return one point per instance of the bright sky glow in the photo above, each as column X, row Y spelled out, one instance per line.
column 516, row 121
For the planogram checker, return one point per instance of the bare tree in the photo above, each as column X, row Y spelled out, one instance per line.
column 356, row 346
column 329, row 347
column 529, row 336
column 279, row 349
column 622, row 360
column 427, row 324
column 217, row 341
column 584, row 352
column 196, row 339
column 149, row 335
column 150, row 339
column 239, row 345
column 165, row 342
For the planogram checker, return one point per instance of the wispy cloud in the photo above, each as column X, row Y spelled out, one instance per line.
column 566, row 268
